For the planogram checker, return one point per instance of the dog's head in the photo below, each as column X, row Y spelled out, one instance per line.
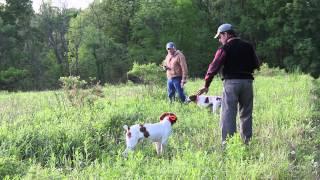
column 201, row 98
column 192, row 98
column 171, row 117
column 214, row 102
column 128, row 133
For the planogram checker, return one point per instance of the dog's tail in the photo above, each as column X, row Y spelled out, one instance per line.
column 126, row 127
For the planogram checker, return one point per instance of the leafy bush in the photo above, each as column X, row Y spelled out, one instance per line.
column 11, row 76
column 265, row 70
column 146, row 74
column 10, row 167
column 74, row 90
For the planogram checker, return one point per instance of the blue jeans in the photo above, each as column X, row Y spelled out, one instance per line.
column 174, row 85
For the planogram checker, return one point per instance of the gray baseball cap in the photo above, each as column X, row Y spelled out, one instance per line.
column 223, row 28
column 170, row 45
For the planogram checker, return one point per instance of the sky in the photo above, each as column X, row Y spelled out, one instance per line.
column 67, row 3
column 60, row 3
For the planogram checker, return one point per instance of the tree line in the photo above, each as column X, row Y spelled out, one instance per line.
column 104, row 40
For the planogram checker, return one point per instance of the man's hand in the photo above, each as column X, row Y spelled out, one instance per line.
column 164, row 67
column 183, row 83
column 202, row 90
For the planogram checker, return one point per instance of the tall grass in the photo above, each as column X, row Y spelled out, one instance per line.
column 43, row 136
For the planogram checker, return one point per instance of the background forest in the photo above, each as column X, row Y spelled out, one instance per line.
column 104, row 40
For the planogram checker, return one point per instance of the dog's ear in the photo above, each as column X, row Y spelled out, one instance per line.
column 193, row 98
column 170, row 114
column 173, row 117
column 206, row 100
column 163, row 115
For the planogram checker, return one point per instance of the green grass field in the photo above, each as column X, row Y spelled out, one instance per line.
column 43, row 137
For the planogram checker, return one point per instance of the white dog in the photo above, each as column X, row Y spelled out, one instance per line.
column 207, row 101
column 158, row 133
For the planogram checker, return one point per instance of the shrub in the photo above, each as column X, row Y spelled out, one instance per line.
column 265, row 70
column 10, row 77
column 9, row 167
column 74, row 89
column 146, row 74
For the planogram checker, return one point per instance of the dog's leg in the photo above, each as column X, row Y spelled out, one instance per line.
column 163, row 145
column 162, row 148
column 158, row 147
column 125, row 152
column 131, row 144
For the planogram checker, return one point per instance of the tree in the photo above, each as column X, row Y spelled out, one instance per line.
column 15, row 18
column 158, row 22
column 102, row 51
column 75, row 34
column 301, row 32
column 55, row 23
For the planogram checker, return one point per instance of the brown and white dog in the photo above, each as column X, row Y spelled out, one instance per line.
column 157, row 133
column 214, row 102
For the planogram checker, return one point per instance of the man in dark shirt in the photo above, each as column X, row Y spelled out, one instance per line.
column 236, row 60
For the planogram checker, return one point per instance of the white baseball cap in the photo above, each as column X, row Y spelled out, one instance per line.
column 223, row 28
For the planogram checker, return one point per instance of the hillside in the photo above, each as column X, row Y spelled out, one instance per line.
column 43, row 136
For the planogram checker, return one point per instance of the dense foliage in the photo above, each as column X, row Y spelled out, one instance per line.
column 105, row 39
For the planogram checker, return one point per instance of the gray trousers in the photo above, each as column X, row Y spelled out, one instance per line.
column 237, row 93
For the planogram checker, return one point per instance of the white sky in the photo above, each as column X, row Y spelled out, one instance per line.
column 61, row 3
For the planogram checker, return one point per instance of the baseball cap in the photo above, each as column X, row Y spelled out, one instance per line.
column 170, row 45
column 223, row 28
